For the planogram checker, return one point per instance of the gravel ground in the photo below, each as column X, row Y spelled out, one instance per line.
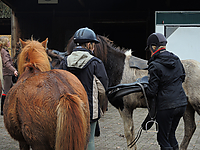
column 112, row 133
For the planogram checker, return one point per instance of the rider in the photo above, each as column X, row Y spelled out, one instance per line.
column 90, row 71
column 165, row 82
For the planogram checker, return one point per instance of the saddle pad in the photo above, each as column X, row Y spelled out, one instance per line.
column 138, row 63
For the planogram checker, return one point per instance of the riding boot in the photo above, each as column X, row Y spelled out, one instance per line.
column 2, row 102
column 176, row 147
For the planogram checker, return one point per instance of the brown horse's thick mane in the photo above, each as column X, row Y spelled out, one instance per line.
column 33, row 55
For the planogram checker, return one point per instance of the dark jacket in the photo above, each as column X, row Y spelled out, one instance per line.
column 88, row 69
column 166, row 76
column 8, row 67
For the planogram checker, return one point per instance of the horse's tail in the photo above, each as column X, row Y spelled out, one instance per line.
column 72, row 124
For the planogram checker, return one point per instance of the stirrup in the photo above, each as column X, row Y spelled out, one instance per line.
column 156, row 124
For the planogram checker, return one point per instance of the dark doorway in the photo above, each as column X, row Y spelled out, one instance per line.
column 126, row 35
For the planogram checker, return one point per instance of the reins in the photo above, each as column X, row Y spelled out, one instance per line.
column 148, row 121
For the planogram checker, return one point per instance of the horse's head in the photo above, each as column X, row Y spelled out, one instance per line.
column 33, row 55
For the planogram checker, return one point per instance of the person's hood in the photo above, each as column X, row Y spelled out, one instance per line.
column 165, row 58
column 79, row 58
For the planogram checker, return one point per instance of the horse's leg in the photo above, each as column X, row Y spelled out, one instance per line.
column 127, row 114
column 23, row 145
column 189, row 125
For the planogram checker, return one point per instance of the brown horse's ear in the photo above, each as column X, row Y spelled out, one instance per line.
column 22, row 43
column 44, row 43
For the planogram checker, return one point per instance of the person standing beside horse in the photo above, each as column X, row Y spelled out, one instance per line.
column 165, row 83
column 8, row 69
column 90, row 71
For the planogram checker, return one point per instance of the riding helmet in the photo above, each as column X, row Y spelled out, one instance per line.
column 156, row 39
column 84, row 35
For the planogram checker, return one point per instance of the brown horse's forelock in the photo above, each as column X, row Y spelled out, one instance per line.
column 35, row 54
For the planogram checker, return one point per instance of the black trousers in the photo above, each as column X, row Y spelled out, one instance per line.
column 168, row 121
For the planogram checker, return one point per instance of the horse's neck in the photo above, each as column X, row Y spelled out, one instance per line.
column 114, row 67
column 118, row 69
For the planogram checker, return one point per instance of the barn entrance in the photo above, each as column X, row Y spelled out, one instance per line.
column 126, row 35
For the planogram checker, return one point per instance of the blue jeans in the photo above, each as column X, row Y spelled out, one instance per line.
column 91, row 145
column 168, row 121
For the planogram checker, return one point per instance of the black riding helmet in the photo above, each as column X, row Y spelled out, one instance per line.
column 156, row 39
column 84, row 35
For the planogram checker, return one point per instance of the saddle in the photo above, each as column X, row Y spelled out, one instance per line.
column 138, row 63
column 121, row 90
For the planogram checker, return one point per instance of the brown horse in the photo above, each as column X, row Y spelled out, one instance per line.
column 46, row 109
column 117, row 66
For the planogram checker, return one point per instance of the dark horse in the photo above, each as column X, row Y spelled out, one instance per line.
column 46, row 109
column 55, row 57
column 116, row 63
